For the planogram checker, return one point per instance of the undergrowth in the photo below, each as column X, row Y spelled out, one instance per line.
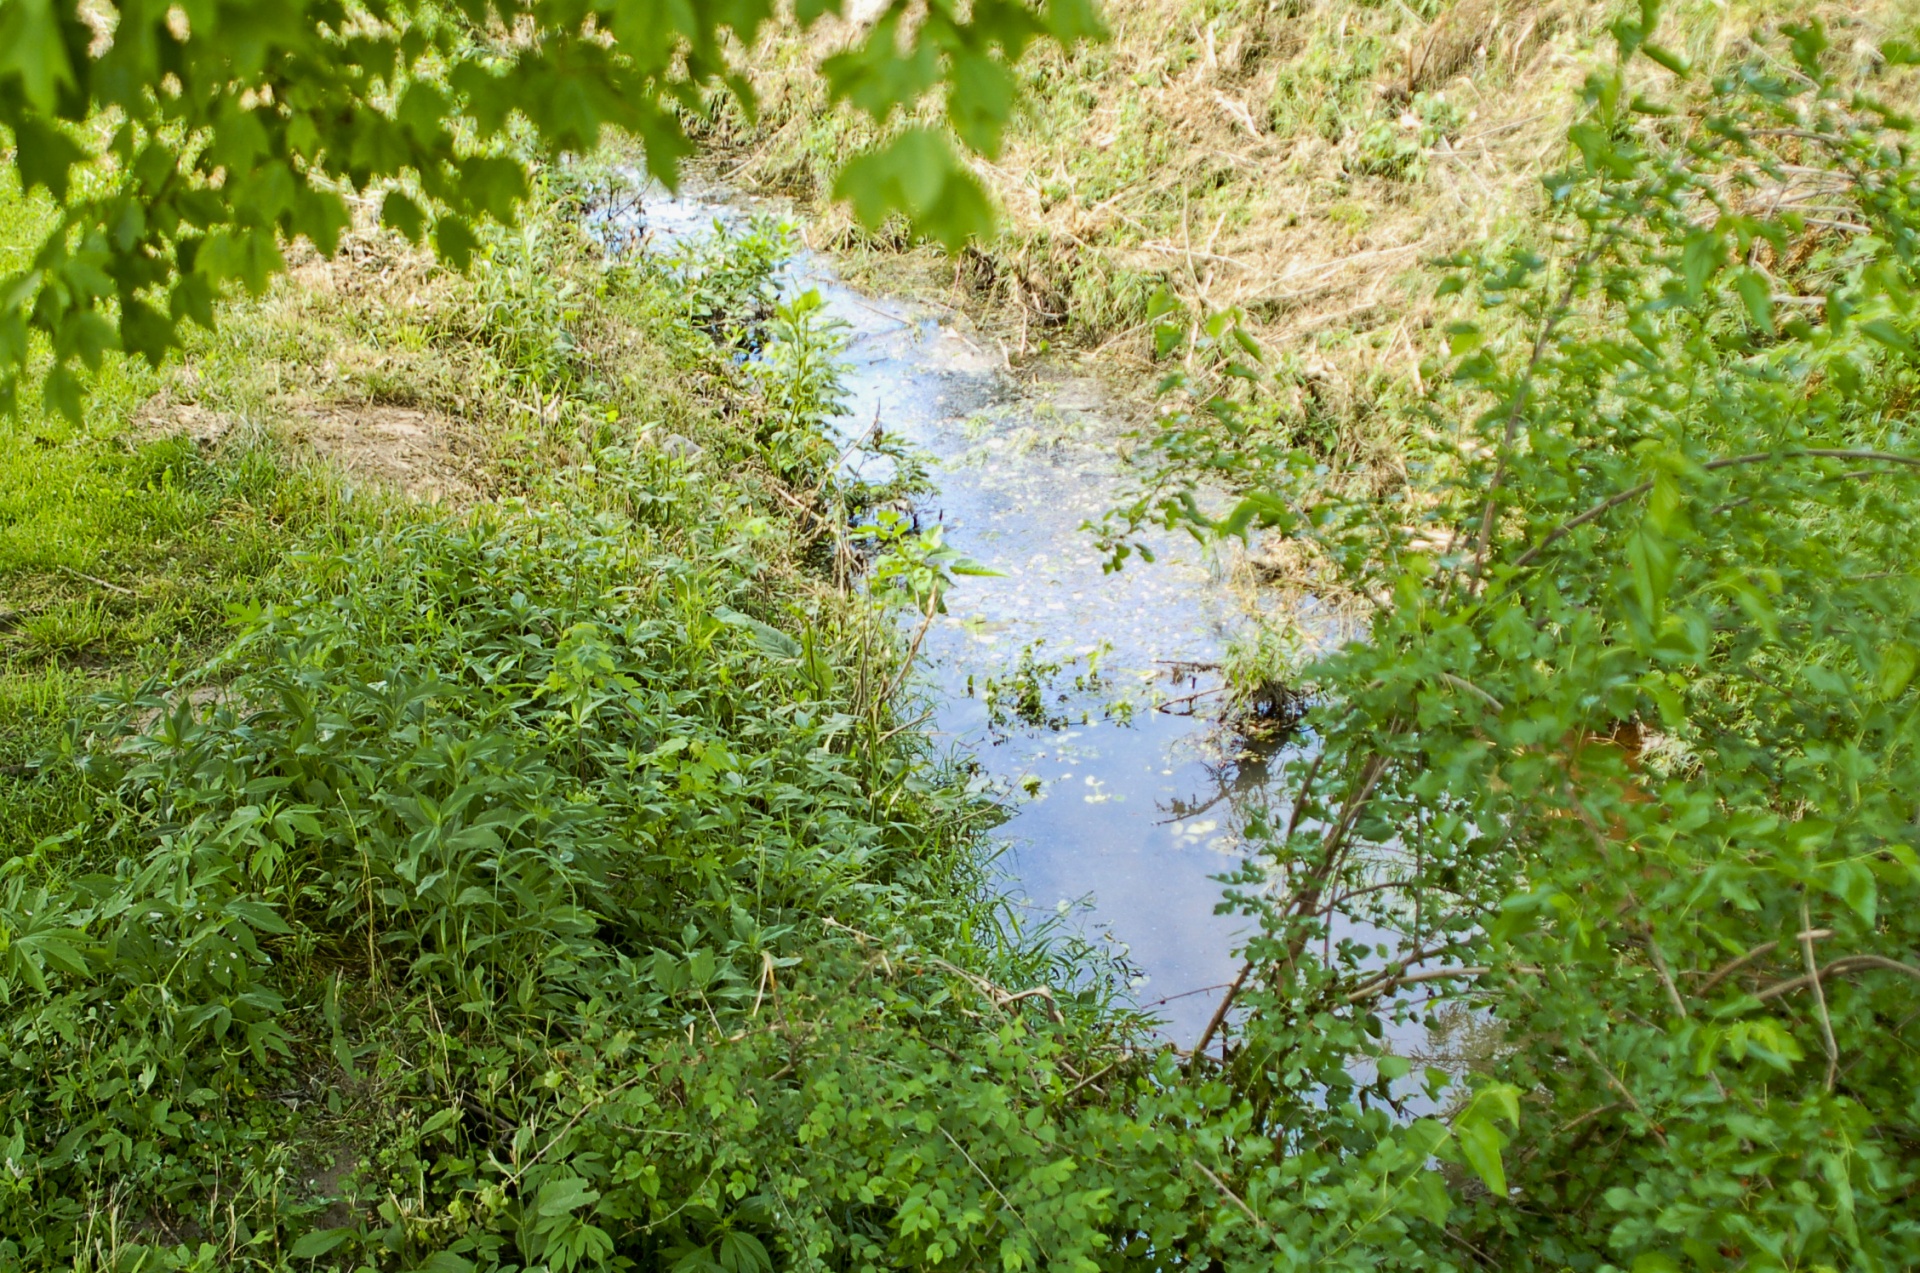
column 545, row 882
column 363, row 905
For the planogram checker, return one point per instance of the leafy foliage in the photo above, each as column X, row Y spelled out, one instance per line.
column 185, row 144
column 534, row 779
column 1624, row 769
column 552, row 888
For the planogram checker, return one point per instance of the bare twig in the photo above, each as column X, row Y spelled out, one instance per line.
column 1227, row 1193
column 1846, row 963
column 1382, row 986
column 1100, row 1073
column 913, row 649
column 1220, row 1012
column 1385, row 985
column 96, row 579
column 1623, row 1090
column 1003, row 998
column 1461, row 683
column 1188, row 699
column 1309, row 900
column 1759, row 457
column 1819, row 992
column 1666, row 976
column 1233, row 989
column 1761, row 951
column 1005, row 1201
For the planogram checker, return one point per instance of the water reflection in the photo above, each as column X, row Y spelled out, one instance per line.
column 1120, row 815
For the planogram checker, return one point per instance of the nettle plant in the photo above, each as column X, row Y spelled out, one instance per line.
column 1623, row 774
column 186, row 143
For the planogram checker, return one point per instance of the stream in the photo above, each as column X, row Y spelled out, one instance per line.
column 1121, row 814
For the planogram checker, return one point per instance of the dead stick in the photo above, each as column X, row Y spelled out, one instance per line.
column 1819, row 993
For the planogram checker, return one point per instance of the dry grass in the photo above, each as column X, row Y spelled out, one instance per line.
column 426, row 455
column 1304, row 162
column 394, row 371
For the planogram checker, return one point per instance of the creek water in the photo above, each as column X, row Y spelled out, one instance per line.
column 1121, row 813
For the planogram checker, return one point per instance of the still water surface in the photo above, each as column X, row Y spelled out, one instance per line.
column 1119, row 824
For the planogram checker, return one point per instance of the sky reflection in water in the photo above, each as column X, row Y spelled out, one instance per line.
column 1122, row 825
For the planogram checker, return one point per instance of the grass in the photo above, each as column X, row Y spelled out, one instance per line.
column 121, row 550
column 1304, row 162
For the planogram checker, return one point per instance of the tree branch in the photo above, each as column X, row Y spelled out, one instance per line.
column 1614, row 501
column 1246, row 969
column 1386, row 985
column 1819, row 992
column 1764, row 949
column 1308, row 900
column 1846, row 963
column 1233, row 1197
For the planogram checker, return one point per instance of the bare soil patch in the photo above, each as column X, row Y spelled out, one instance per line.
column 421, row 452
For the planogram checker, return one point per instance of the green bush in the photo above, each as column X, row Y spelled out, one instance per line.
column 527, row 774
column 1625, row 769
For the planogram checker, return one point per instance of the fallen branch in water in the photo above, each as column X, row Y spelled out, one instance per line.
column 1188, row 699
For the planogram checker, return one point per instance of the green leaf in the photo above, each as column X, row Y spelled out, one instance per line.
column 1700, row 259
column 440, row 1122
column 876, row 76
column 1852, row 882
column 917, row 174
column 492, row 184
column 741, row 1252
column 258, row 915
column 144, row 330
column 1898, row 662
column 1481, row 1143
column 980, row 101
column 44, row 155
column 1481, row 1139
column 1808, row 40
column 1502, row 1101
column 1757, row 297
column 1597, row 149
column 31, row 49
column 1672, row 61
column 455, row 241
column 56, row 948
column 564, row 1196
column 60, row 393
column 1887, row 334
column 315, row 1243
column 1652, row 560
column 771, row 640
